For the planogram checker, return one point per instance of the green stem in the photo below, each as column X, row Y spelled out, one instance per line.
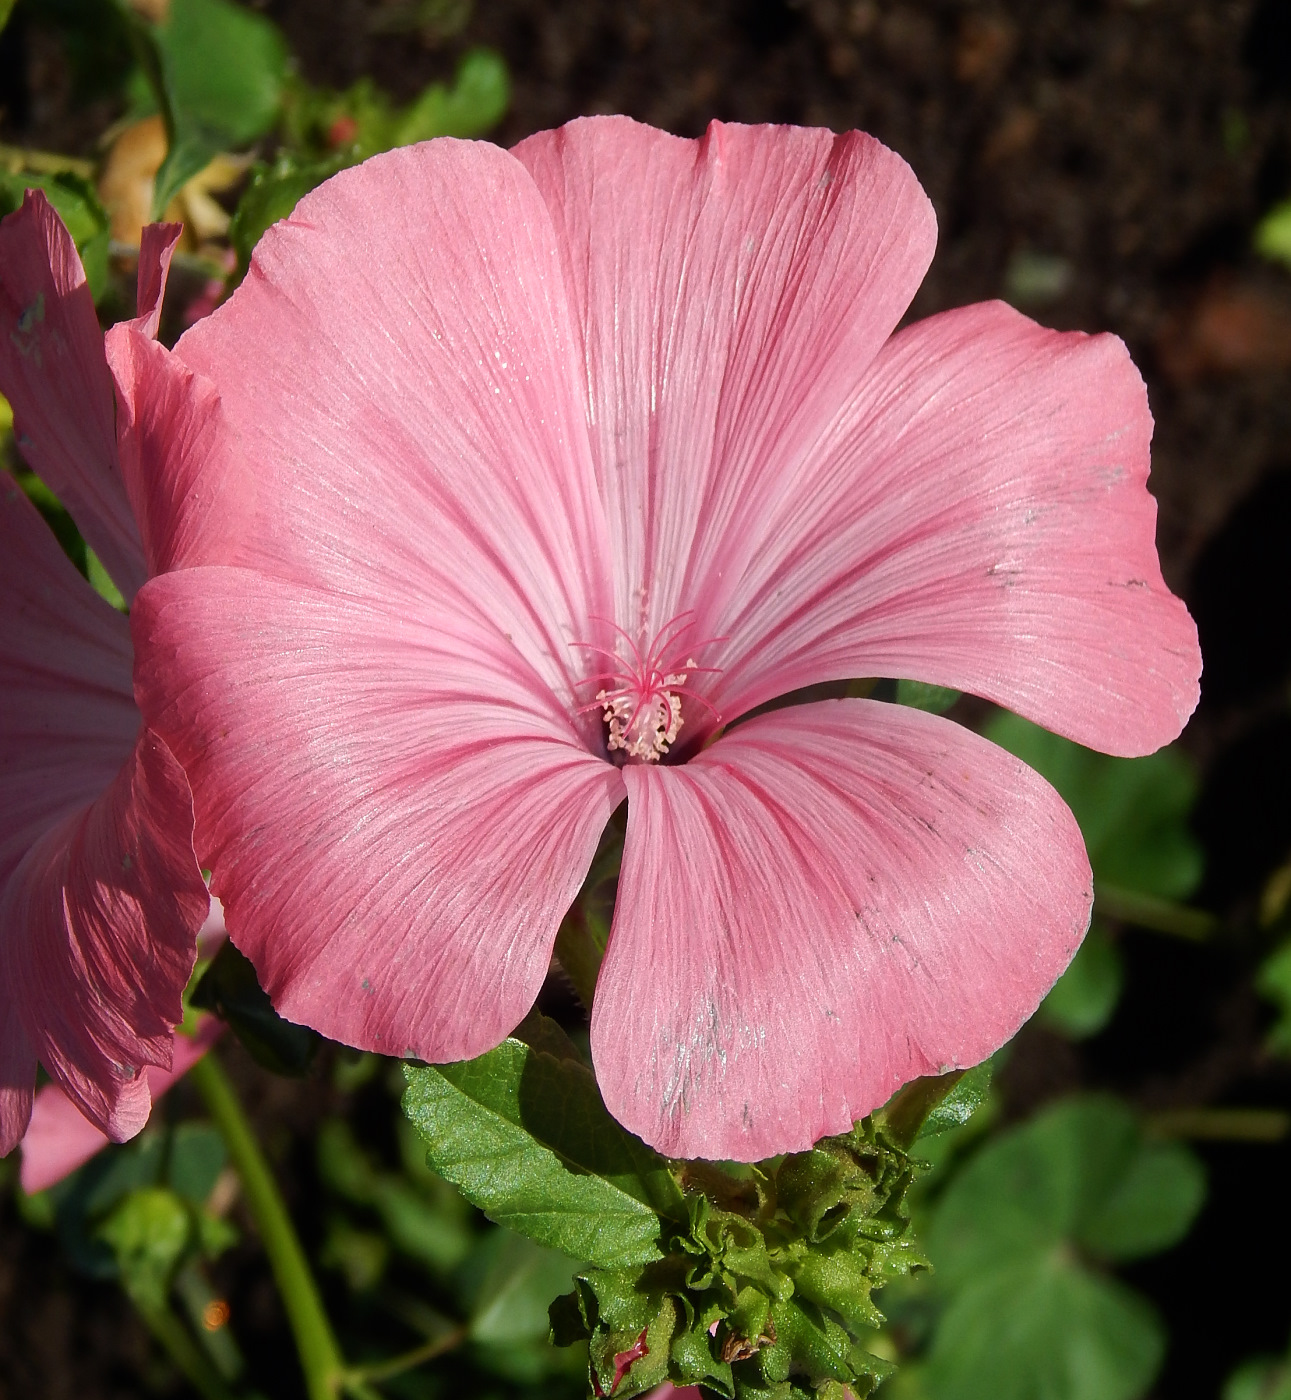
column 320, row 1356
column 1221, row 1124
column 418, row 1356
column 184, row 1352
column 1159, row 915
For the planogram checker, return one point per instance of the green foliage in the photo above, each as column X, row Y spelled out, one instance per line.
column 218, row 70
column 1264, row 1378
column 75, row 202
column 526, row 1137
column 1273, row 234
column 325, row 132
column 229, row 988
column 752, row 1280
column 1133, row 813
column 1273, row 980
column 1018, row 1238
column 936, row 699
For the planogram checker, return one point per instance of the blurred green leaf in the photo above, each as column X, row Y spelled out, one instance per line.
column 476, row 101
column 76, row 202
column 1026, row 1318
column 525, row 1137
column 229, row 988
column 1133, row 812
column 1044, row 1329
column 936, row 699
column 1084, row 997
column 6, row 9
column 197, row 1156
column 220, row 71
column 1263, row 1378
column 273, row 192
column 1273, row 981
column 149, row 1231
column 1273, row 234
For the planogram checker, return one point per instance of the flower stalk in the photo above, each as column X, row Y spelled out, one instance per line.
column 320, row 1354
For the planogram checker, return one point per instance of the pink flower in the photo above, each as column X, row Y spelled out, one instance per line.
column 574, row 456
column 60, row 1137
column 100, row 894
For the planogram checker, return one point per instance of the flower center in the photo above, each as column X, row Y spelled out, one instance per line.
column 642, row 703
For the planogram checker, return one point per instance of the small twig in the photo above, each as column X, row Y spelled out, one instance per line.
column 1220, row 1124
column 397, row 1365
column 1159, row 915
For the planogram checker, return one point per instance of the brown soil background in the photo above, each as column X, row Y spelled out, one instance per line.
column 1136, row 140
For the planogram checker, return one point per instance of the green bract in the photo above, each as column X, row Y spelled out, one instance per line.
column 748, row 1280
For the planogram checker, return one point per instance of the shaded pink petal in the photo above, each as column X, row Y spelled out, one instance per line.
column 60, row 1137
column 730, row 293
column 978, row 518
column 17, row 1075
column 54, row 375
column 156, row 249
column 397, row 814
column 400, row 366
column 828, row 902
column 70, row 720
column 98, row 930
column 191, row 489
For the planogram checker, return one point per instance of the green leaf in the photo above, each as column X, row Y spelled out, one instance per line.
column 229, row 988
column 220, row 69
column 476, row 101
column 1273, row 980
column 1132, row 811
column 1262, row 1378
column 1079, row 1173
column 197, row 1156
column 1045, row 1330
column 6, row 9
column 1273, row 234
column 1081, row 1002
column 273, row 192
column 936, row 699
column 525, row 1137
column 512, row 1286
column 76, row 202
column 149, row 1231
column 959, row 1105
column 1026, row 1319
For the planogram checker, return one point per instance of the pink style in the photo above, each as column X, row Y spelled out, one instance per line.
column 101, row 897
column 572, row 457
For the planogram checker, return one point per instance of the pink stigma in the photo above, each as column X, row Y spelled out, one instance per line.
column 642, row 706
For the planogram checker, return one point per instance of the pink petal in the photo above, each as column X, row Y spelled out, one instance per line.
column 396, row 811
column 17, row 1075
column 60, row 1137
column 730, row 293
column 98, row 930
column 826, row 903
column 54, row 375
column 977, row 518
column 155, row 252
column 70, row 720
column 400, row 366
column 191, row 489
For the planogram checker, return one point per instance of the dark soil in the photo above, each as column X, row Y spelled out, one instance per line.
column 1102, row 164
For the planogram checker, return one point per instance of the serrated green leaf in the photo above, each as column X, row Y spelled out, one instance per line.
column 1132, row 811
column 221, row 70
column 1082, row 1000
column 525, row 1137
column 1044, row 1329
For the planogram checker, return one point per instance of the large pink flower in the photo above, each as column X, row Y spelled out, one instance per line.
column 101, row 897
column 576, row 455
